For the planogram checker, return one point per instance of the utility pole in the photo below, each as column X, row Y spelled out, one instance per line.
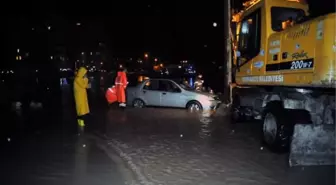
column 228, row 53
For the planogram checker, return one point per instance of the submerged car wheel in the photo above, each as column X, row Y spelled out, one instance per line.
column 137, row 103
column 194, row 106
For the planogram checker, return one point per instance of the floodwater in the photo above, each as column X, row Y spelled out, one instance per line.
column 43, row 146
column 157, row 146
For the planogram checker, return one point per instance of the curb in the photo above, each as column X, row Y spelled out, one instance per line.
column 128, row 160
column 129, row 176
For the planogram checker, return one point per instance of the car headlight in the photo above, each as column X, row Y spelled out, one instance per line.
column 210, row 98
column 207, row 98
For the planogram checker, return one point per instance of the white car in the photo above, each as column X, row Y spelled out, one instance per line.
column 167, row 93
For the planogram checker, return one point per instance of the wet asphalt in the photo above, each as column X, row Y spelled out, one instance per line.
column 165, row 146
column 49, row 159
column 44, row 146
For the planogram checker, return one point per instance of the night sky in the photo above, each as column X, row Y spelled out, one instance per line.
column 171, row 30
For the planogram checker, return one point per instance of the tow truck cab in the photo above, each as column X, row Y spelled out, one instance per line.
column 254, row 25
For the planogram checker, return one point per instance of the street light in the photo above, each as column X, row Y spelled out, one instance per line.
column 146, row 55
column 214, row 24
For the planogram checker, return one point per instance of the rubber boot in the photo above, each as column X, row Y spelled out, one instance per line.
column 80, row 122
column 123, row 105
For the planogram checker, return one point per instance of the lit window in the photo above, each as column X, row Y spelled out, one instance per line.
column 245, row 29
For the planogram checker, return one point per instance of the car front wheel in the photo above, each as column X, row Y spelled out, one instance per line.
column 194, row 106
column 137, row 103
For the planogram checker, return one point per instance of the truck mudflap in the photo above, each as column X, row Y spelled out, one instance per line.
column 312, row 145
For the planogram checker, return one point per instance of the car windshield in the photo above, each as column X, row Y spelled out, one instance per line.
column 281, row 14
column 186, row 87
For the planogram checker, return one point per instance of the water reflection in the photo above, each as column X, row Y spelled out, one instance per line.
column 63, row 81
column 205, row 121
column 81, row 159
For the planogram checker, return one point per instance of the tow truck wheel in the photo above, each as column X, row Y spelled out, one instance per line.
column 236, row 115
column 275, row 128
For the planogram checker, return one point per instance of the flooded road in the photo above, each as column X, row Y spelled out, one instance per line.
column 50, row 159
column 140, row 146
column 43, row 146
column 172, row 146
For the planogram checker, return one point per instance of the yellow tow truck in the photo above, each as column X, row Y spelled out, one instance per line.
column 285, row 75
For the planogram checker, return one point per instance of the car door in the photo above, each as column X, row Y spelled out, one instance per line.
column 171, row 94
column 150, row 93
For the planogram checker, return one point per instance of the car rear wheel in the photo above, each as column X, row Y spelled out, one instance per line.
column 194, row 106
column 137, row 103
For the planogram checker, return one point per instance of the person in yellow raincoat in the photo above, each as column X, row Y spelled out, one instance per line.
column 81, row 83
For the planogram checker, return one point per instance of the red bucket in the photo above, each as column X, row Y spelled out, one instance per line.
column 111, row 95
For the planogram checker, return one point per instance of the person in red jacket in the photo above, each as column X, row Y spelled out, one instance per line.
column 121, row 84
